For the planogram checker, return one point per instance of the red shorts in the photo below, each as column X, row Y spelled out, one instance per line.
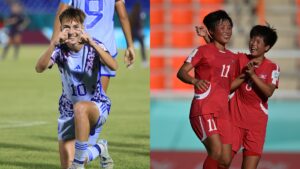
column 207, row 125
column 251, row 140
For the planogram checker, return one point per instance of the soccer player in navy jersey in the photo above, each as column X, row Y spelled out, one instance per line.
column 256, row 79
column 16, row 23
column 83, row 105
column 209, row 114
column 136, row 18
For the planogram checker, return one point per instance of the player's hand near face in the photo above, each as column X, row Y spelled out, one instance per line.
column 250, row 68
column 203, row 32
column 62, row 37
column 84, row 37
column 129, row 56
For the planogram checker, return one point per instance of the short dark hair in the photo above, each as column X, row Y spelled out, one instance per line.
column 72, row 14
column 212, row 19
column 268, row 34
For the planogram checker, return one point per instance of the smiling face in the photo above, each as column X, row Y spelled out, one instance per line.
column 73, row 29
column 222, row 32
column 257, row 46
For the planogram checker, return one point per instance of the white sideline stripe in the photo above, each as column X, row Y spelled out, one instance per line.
column 21, row 124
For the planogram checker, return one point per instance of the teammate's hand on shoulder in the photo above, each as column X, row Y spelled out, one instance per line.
column 202, row 85
column 129, row 56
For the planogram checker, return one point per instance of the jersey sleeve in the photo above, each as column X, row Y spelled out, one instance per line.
column 66, row 1
column 54, row 57
column 101, row 45
column 236, row 66
column 274, row 75
column 194, row 58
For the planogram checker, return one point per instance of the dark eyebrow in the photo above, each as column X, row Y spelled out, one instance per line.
column 66, row 26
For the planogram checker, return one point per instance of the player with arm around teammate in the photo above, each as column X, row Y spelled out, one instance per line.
column 209, row 114
column 83, row 105
column 249, row 105
column 257, row 78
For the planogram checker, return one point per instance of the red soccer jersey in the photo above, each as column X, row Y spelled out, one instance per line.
column 215, row 66
column 249, row 107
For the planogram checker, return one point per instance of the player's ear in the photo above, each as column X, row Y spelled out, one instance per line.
column 267, row 48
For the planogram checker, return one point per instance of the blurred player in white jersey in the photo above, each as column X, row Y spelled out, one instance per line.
column 83, row 105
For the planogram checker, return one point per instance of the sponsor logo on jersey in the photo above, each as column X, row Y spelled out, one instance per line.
column 189, row 59
column 77, row 67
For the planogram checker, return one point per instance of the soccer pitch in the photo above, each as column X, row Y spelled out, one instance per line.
column 29, row 111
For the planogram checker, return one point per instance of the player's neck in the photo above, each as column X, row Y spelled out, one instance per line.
column 219, row 46
column 259, row 59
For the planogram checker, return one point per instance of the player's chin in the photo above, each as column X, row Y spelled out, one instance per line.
column 72, row 42
column 226, row 40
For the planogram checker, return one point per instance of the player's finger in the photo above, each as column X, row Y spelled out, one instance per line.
column 205, row 85
column 65, row 31
column 249, row 65
column 126, row 57
column 202, row 87
column 132, row 57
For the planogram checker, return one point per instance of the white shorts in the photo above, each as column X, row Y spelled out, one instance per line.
column 66, row 127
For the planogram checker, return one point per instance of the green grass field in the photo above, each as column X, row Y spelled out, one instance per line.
column 29, row 111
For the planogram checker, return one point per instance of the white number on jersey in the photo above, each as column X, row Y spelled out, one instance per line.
column 225, row 70
column 212, row 125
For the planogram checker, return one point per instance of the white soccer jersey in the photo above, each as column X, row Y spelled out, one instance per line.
column 80, row 77
column 99, row 22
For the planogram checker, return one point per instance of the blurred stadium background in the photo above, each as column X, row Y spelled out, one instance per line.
column 172, row 141
column 42, row 13
column 29, row 101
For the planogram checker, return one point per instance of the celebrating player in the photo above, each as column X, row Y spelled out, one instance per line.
column 249, row 104
column 100, row 25
column 83, row 104
column 209, row 114
column 258, row 79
